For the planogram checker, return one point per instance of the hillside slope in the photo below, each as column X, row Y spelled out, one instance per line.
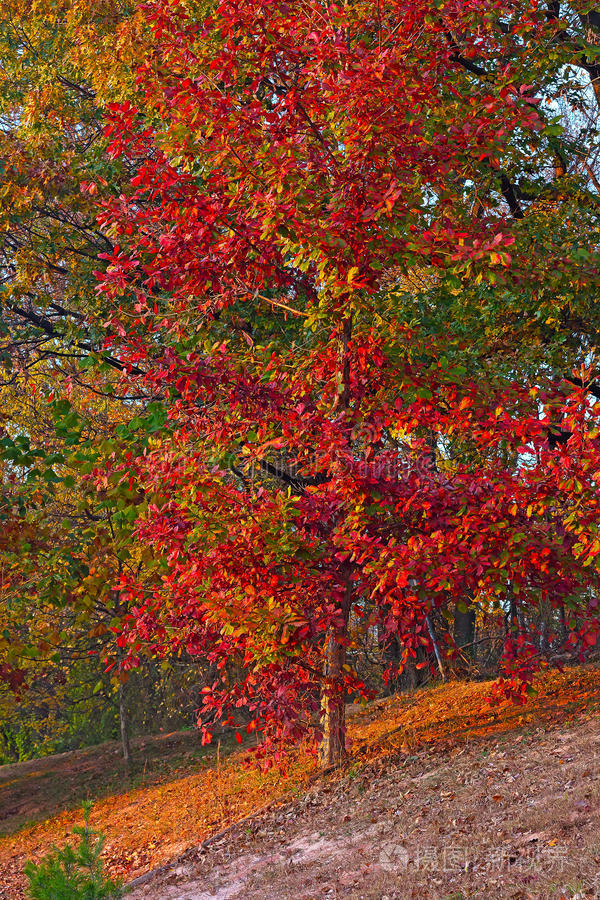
column 429, row 773
column 517, row 817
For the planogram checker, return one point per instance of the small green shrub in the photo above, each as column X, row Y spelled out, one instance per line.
column 74, row 873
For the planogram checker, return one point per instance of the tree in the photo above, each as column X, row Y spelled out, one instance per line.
column 73, row 873
column 319, row 189
column 64, row 542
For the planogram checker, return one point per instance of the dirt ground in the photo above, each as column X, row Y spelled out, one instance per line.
column 516, row 817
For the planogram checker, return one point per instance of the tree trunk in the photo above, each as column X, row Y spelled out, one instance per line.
column 332, row 751
column 563, row 622
column 123, row 718
column 511, row 619
column 391, row 652
column 436, row 648
column 464, row 629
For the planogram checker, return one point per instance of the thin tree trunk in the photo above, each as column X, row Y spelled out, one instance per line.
column 436, row 648
column 563, row 622
column 412, row 674
column 391, row 652
column 124, row 721
column 511, row 619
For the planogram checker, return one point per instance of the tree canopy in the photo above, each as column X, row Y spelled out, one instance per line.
column 333, row 267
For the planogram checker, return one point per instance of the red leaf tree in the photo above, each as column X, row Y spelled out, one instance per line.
column 315, row 185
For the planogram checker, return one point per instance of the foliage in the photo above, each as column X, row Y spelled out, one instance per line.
column 73, row 873
column 311, row 345
column 62, row 543
column 339, row 220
